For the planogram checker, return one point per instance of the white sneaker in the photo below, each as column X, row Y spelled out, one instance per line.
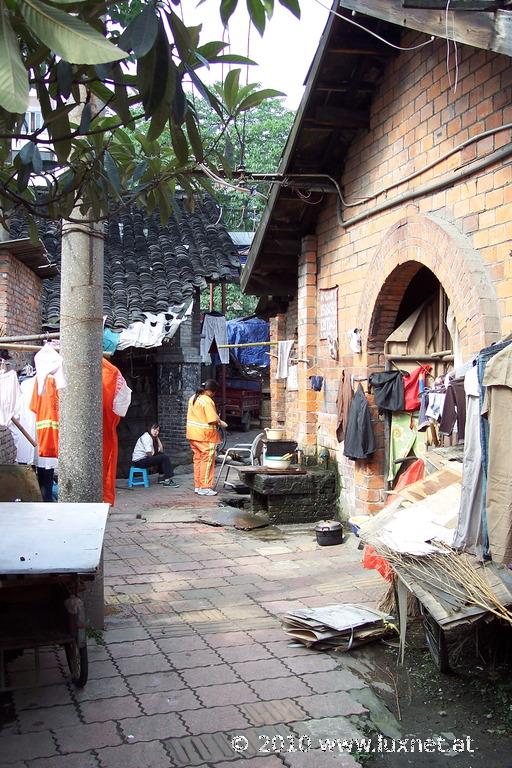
column 206, row 492
column 196, row 490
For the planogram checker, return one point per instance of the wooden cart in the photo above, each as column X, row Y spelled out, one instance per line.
column 47, row 552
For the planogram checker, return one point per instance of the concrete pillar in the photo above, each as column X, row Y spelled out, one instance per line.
column 81, row 421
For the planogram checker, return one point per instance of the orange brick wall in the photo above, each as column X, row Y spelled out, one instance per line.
column 463, row 234
column 20, row 297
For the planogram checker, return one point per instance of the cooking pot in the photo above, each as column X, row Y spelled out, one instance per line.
column 275, row 433
column 275, row 462
column 329, row 532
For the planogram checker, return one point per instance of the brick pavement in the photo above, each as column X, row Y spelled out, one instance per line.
column 193, row 653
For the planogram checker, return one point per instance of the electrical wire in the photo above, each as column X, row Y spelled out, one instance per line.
column 223, row 183
column 374, row 34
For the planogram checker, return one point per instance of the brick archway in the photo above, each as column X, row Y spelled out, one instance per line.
column 428, row 241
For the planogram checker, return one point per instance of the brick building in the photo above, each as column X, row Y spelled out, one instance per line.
column 396, row 190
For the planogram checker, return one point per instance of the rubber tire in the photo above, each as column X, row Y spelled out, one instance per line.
column 436, row 642
column 78, row 663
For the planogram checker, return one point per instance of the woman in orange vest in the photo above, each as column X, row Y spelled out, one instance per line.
column 203, row 435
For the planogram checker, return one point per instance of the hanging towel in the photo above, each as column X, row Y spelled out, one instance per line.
column 9, row 397
column 414, row 384
column 292, row 382
column 283, row 354
column 25, row 452
column 48, row 361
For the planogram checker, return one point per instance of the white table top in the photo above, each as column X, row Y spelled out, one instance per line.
column 39, row 538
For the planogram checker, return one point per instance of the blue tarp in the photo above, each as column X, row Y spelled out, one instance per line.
column 245, row 332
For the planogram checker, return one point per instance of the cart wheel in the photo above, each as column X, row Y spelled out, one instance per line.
column 245, row 421
column 436, row 641
column 223, row 438
column 78, row 663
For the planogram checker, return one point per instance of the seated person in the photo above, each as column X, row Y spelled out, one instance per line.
column 149, row 452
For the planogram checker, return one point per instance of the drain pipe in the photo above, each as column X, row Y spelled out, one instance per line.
column 425, row 189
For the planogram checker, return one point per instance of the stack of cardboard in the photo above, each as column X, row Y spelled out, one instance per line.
column 340, row 627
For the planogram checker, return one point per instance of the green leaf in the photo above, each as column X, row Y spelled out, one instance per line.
column 59, row 131
column 153, row 72
column 227, row 8
column 120, row 103
column 140, row 34
column 23, row 177
column 231, row 85
column 194, row 137
column 29, row 155
column 291, row 5
column 85, row 118
column 257, row 13
column 112, row 171
column 212, row 49
column 179, row 103
column 68, row 36
column 179, row 144
column 256, row 98
column 64, row 78
column 13, row 75
column 164, row 205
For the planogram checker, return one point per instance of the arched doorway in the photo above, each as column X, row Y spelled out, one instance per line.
column 423, row 266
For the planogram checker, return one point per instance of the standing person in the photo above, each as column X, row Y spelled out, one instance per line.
column 203, row 435
column 149, row 452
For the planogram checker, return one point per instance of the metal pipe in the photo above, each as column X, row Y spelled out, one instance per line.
column 29, row 337
column 432, row 186
column 21, row 347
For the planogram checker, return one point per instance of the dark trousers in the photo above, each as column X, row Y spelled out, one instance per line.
column 160, row 460
column 45, row 478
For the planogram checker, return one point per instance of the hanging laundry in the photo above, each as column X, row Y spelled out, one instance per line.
column 46, row 408
column 388, row 389
column 110, row 340
column 292, row 382
column 116, row 399
column 404, row 439
column 414, row 384
column 498, row 407
column 454, row 409
column 359, row 437
column 283, row 354
column 469, row 533
column 343, row 401
column 214, row 329
column 25, row 452
column 9, row 396
column 49, row 361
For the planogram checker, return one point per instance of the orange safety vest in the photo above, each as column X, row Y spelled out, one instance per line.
column 46, row 409
column 202, row 420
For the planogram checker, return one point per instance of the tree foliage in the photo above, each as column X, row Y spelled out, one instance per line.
column 99, row 68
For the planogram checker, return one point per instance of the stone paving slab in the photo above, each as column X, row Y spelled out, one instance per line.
column 191, row 657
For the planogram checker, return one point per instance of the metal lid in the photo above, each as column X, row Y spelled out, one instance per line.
column 328, row 525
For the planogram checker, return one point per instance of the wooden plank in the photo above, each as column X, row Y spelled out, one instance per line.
column 480, row 29
column 38, row 538
column 455, row 5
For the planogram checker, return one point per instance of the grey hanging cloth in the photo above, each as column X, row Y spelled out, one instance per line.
column 388, row 390
column 359, row 437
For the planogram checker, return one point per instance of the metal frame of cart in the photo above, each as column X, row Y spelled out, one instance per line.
column 47, row 552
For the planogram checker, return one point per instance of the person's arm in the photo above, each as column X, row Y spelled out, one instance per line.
column 211, row 415
column 147, row 444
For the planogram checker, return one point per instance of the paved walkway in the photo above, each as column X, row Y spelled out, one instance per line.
column 193, row 668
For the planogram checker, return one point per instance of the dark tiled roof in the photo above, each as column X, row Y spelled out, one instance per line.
column 148, row 267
